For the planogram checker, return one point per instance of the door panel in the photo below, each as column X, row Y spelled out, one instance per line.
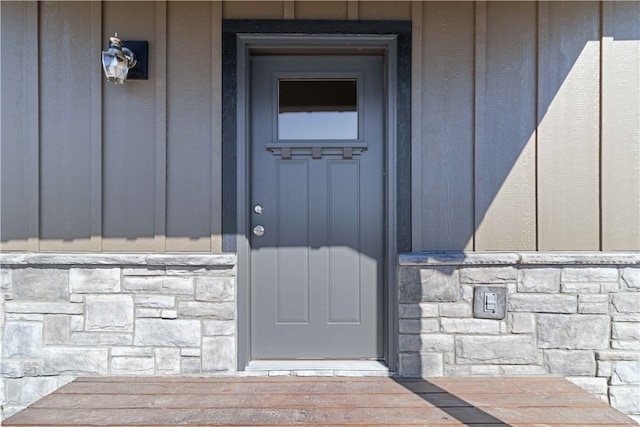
column 316, row 272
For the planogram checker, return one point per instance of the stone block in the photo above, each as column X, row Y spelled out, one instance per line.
column 209, row 310
column 604, row 369
column 573, row 332
column 5, row 279
column 168, row 333
column 469, row 326
column 42, row 307
column 626, row 318
column 630, row 279
column 593, row 304
column 543, row 303
column 570, row 362
column 41, row 284
column 625, row 372
column 167, row 361
column 74, row 361
column 109, row 313
column 471, row 370
column 56, row 329
column 625, row 303
column 521, row 323
column 597, row 386
column 625, row 331
column 10, row 368
column 169, row 314
column 191, row 366
column 218, row 354
column 76, row 298
column 148, row 312
column 85, row 338
column 143, row 271
column 131, row 351
column 625, row 399
column 625, row 345
column 218, row 327
column 132, row 365
column 22, row 339
column 416, row 311
column 496, row 350
column 23, row 317
column 116, row 339
column 589, row 274
column 467, row 293
column 614, row 355
column 438, row 343
column 192, row 352
column 539, row 280
column 421, row 365
column 214, row 289
column 76, row 323
column 34, row 389
column 521, row 370
column 416, row 326
column 455, row 310
column 158, row 285
column 94, row 280
column 155, row 301
column 488, row 275
column 429, row 284
column 580, row 287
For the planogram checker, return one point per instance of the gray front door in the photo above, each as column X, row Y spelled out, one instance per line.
column 317, row 207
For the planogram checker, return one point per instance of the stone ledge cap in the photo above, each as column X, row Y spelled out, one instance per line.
column 518, row 258
column 43, row 258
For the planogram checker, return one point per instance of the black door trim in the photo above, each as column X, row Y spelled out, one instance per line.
column 234, row 155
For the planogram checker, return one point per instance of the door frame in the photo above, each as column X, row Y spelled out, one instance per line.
column 276, row 42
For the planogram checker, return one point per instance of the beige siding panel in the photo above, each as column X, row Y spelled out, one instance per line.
column 448, row 125
column 189, row 127
column 621, row 126
column 19, row 130
column 129, row 120
column 252, row 9
column 161, row 127
column 391, row 10
column 321, row 9
column 505, row 197
column 65, row 125
column 96, row 128
column 568, row 132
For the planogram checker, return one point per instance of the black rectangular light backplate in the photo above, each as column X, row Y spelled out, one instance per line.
column 141, row 50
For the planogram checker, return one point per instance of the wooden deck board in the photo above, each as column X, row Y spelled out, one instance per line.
column 291, row 401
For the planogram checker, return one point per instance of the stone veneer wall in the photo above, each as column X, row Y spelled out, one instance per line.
column 574, row 315
column 66, row 315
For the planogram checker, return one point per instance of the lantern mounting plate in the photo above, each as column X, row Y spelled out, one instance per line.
column 141, row 49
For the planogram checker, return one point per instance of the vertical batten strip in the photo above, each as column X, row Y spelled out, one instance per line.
column 543, row 35
column 96, row 130
column 416, row 127
column 352, row 9
column 289, row 9
column 216, row 126
column 161, row 127
column 480, row 71
column 32, row 123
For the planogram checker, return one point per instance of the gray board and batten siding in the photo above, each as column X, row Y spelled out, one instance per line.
column 525, row 124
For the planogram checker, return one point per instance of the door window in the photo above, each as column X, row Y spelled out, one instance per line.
column 313, row 109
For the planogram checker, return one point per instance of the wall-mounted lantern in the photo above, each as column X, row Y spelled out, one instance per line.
column 125, row 60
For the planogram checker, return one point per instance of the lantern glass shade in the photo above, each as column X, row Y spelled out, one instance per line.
column 117, row 60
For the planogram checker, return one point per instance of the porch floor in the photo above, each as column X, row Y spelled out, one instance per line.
column 310, row 401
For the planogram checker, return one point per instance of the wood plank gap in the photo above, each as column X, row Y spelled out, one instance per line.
column 216, row 127
column 96, row 130
column 416, row 126
column 32, row 123
column 480, row 82
column 161, row 127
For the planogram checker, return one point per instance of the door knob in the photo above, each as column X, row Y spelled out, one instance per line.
column 258, row 230
column 258, row 209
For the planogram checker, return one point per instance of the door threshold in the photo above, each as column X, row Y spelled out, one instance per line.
column 320, row 367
